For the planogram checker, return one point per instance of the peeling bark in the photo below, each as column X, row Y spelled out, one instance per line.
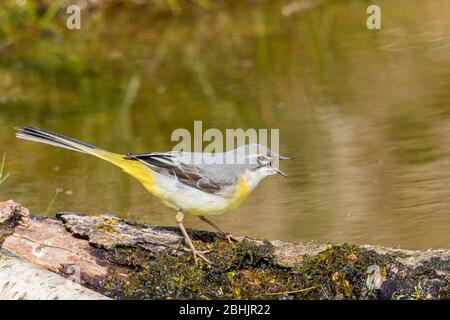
column 20, row 279
column 123, row 259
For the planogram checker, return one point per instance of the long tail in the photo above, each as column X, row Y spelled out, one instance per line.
column 134, row 168
column 54, row 139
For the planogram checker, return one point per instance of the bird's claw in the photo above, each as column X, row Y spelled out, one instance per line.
column 200, row 254
column 231, row 239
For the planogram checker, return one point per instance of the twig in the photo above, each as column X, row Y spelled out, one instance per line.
column 42, row 244
column 290, row 292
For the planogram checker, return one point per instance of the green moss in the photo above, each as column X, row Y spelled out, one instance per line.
column 341, row 272
column 240, row 271
column 246, row 270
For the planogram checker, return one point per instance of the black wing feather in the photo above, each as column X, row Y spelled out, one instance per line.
column 190, row 175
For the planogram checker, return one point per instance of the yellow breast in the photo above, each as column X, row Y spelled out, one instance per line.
column 241, row 193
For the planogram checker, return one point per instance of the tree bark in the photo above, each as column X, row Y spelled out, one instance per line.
column 123, row 259
column 20, row 279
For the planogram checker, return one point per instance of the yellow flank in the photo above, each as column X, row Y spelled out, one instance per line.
column 242, row 192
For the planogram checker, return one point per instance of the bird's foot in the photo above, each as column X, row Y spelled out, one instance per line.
column 200, row 254
column 231, row 239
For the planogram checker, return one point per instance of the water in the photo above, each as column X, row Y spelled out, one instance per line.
column 365, row 114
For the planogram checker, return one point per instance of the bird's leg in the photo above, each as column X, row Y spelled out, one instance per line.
column 228, row 236
column 179, row 217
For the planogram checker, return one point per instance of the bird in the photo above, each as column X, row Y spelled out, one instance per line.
column 202, row 184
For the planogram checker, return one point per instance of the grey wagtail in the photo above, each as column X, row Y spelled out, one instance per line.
column 218, row 183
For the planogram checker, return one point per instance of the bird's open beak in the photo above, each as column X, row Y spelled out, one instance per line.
column 280, row 157
column 279, row 172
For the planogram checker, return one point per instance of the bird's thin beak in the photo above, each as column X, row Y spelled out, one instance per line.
column 280, row 172
column 280, row 157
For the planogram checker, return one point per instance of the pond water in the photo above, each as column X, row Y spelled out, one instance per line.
column 365, row 113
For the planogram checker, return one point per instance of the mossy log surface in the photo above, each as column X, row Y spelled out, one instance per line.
column 123, row 259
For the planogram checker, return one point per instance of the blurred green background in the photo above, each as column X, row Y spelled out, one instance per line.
column 365, row 113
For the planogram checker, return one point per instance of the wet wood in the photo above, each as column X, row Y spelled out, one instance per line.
column 123, row 259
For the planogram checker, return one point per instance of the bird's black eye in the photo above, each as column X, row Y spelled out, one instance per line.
column 262, row 160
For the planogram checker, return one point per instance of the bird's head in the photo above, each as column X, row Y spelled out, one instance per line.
column 259, row 162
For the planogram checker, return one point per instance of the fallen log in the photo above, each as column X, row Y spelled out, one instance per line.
column 20, row 279
column 123, row 259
